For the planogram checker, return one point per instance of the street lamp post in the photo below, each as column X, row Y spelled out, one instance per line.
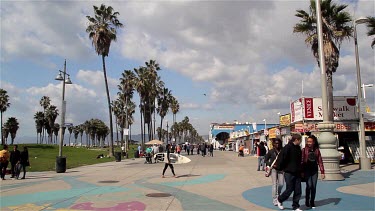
column 60, row 160
column 328, row 142
column 364, row 162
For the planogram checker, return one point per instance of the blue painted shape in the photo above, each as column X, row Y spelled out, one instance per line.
column 78, row 188
column 200, row 180
column 57, row 195
column 327, row 197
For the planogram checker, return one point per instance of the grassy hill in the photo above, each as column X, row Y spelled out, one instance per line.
column 43, row 157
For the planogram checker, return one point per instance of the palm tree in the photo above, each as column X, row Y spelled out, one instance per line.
column 4, row 104
column 116, row 108
column 12, row 125
column 371, row 29
column 102, row 31
column 175, row 107
column 50, row 115
column 76, row 133
column 56, row 128
column 39, row 123
column 81, row 129
column 164, row 100
column 337, row 26
column 70, row 129
column 5, row 131
column 45, row 102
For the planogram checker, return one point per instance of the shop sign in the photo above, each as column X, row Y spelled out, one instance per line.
column 284, row 120
column 344, row 108
column 313, row 127
column 272, row 133
column 296, row 111
column 224, row 127
column 284, row 131
column 369, row 126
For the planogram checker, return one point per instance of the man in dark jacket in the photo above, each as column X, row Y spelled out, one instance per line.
column 262, row 153
column 15, row 157
column 289, row 161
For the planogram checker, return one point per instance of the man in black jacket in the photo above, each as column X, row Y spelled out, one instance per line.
column 15, row 157
column 262, row 153
column 289, row 161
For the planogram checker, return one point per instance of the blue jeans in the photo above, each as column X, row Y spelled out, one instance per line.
column 261, row 162
column 293, row 184
column 311, row 181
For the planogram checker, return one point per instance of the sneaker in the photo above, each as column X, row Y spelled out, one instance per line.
column 312, row 205
column 298, row 209
column 279, row 204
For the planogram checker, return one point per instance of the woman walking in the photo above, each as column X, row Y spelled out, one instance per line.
column 276, row 175
column 311, row 159
column 169, row 162
column 24, row 161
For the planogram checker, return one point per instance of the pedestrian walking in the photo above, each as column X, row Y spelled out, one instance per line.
column 24, row 161
column 178, row 149
column 262, row 153
column 15, row 157
column 276, row 175
column 191, row 149
column 311, row 159
column 169, row 162
column 211, row 150
column 289, row 161
column 4, row 161
column 188, row 149
column 198, row 149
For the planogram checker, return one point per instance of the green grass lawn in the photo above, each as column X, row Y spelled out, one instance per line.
column 43, row 157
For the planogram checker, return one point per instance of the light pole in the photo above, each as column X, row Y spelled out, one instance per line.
column 328, row 142
column 364, row 90
column 364, row 162
column 265, row 124
column 60, row 160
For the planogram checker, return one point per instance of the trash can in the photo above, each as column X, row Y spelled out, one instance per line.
column 118, row 156
column 60, row 164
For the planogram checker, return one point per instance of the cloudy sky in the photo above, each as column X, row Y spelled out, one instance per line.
column 243, row 55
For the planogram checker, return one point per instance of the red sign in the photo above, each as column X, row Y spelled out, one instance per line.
column 309, row 108
column 292, row 109
column 369, row 126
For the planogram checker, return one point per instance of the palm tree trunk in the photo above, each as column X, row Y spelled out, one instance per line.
column 1, row 128
column 37, row 134
column 116, row 130
column 130, row 137
column 141, row 123
column 111, row 152
column 330, row 95
column 69, row 138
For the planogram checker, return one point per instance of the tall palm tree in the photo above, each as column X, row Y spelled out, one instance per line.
column 337, row 26
column 125, row 95
column 371, row 29
column 164, row 100
column 12, row 125
column 102, row 31
column 39, row 123
column 141, row 87
column 175, row 107
column 4, row 104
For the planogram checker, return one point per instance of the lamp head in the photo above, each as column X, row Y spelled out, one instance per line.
column 68, row 81
column 59, row 77
column 361, row 20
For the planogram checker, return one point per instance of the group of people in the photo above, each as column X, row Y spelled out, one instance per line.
column 290, row 165
column 18, row 161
